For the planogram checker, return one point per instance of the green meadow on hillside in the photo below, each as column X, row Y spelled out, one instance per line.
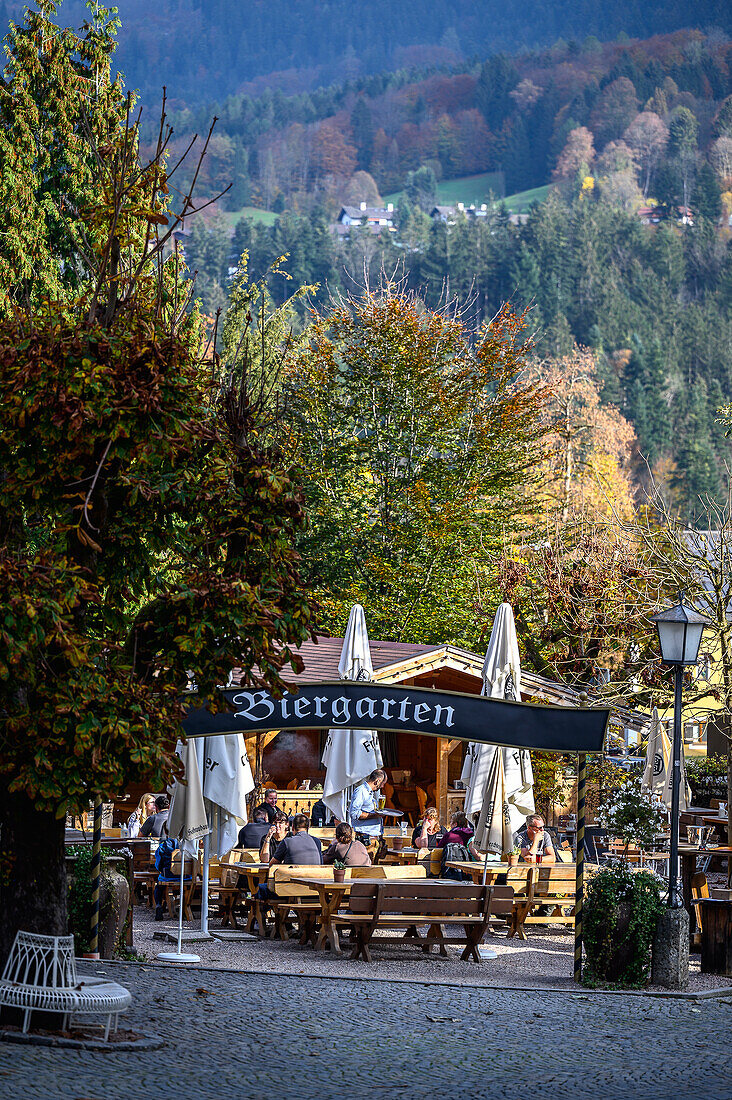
column 479, row 189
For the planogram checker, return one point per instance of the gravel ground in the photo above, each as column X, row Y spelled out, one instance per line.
column 544, row 960
column 241, row 1037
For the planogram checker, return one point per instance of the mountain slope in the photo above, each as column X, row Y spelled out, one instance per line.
column 206, row 49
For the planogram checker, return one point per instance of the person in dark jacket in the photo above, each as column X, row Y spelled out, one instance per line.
column 154, row 825
column 252, row 834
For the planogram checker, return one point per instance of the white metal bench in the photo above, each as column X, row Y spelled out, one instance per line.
column 40, row 975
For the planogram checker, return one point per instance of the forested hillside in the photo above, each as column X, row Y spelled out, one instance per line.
column 506, row 114
column 654, row 303
column 206, row 49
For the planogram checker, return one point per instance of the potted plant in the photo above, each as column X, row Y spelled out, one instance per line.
column 339, row 870
column 512, row 857
column 622, row 906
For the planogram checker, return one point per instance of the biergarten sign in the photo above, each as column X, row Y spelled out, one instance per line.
column 372, row 706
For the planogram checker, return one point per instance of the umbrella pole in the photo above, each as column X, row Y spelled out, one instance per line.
column 180, row 900
column 204, row 883
column 485, row 866
column 580, row 865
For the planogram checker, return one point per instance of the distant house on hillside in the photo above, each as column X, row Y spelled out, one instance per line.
column 448, row 214
column 650, row 214
column 375, row 217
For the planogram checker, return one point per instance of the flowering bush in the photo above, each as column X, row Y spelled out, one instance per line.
column 629, row 815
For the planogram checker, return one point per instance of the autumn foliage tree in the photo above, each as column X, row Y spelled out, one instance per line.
column 415, row 445
column 147, row 526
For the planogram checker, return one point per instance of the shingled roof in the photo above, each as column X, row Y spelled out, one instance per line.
column 397, row 661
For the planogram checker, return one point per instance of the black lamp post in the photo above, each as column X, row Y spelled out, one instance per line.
column 680, row 631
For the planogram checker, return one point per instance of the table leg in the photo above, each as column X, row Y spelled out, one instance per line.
column 688, row 869
column 329, row 905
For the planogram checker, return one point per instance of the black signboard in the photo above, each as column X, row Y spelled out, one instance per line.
column 372, row 706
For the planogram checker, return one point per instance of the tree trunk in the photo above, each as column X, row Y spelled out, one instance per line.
column 32, row 871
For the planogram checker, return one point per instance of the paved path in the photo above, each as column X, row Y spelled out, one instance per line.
column 244, row 1037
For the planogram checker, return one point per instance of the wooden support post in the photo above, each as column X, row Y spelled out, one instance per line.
column 443, row 754
column 445, row 748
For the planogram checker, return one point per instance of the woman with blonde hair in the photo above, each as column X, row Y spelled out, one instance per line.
column 427, row 831
column 145, row 809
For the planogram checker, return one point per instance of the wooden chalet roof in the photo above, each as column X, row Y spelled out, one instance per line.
column 395, row 662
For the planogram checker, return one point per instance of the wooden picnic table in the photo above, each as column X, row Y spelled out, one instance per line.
column 255, row 875
column 403, row 855
column 475, row 870
column 689, row 854
column 330, row 896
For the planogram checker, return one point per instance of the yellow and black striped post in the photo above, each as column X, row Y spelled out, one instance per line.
column 580, row 873
column 96, row 878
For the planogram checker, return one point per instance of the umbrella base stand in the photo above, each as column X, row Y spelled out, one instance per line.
column 178, row 957
column 235, row 936
column 187, row 937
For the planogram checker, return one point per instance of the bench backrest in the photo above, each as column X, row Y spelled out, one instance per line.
column 37, row 960
column 552, row 879
column 519, row 877
column 699, row 890
column 388, row 871
column 141, row 856
column 419, row 898
column 281, row 875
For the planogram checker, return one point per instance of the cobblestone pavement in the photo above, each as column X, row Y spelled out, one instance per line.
column 240, row 1036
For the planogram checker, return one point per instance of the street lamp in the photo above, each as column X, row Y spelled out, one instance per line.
column 680, row 631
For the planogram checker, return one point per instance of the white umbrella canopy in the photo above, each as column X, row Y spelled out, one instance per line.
column 350, row 755
column 501, row 680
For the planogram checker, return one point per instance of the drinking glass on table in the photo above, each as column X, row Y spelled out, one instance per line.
column 382, row 802
column 537, row 857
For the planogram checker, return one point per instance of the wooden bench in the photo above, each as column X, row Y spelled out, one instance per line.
column 550, row 886
column 398, row 905
column 306, row 904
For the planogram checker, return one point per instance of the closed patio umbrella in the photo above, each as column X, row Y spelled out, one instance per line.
column 187, row 823
column 658, row 772
column 501, row 680
column 658, row 754
column 227, row 780
column 350, row 755
column 494, row 833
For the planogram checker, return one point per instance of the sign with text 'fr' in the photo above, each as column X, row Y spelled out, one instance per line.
column 367, row 705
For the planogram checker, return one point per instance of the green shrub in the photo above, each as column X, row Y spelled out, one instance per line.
column 620, row 914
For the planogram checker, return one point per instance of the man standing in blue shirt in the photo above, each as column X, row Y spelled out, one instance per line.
column 367, row 825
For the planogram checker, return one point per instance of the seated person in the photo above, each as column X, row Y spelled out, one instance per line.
column 534, row 840
column 163, row 859
column 346, row 848
column 459, row 832
column 154, row 825
column 269, row 805
column 145, row 809
column 426, row 833
column 252, row 834
column 300, row 848
column 273, row 837
column 320, row 815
